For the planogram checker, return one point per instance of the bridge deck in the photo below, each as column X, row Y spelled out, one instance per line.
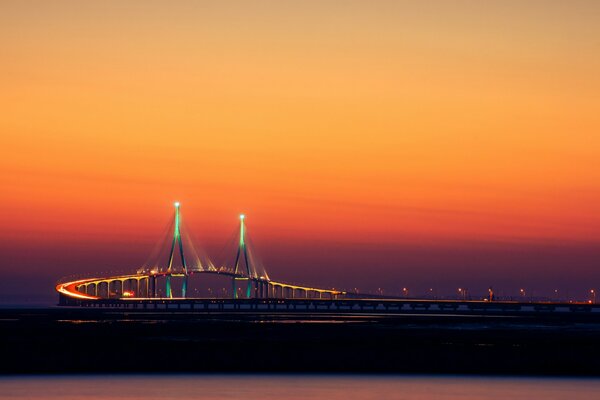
column 340, row 306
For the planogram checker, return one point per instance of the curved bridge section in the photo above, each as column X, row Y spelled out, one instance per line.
column 145, row 286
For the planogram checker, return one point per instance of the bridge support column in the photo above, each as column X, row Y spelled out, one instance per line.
column 169, row 293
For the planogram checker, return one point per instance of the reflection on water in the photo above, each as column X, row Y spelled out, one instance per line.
column 271, row 387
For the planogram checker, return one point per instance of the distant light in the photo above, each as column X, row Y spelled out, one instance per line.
column 176, row 204
column 242, row 216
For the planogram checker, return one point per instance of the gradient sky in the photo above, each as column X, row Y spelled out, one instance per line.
column 371, row 143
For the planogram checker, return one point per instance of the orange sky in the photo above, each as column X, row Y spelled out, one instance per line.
column 361, row 122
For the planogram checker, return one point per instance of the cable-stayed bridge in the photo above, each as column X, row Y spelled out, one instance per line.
column 163, row 283
column 155, row 280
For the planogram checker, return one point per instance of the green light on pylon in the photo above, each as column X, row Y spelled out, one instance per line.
column 176, row 232
column 242, row 216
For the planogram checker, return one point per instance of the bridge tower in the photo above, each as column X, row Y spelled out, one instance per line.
column 242, row 251
column 176, row 240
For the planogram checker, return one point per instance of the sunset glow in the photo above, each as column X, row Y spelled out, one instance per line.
column 367, row 144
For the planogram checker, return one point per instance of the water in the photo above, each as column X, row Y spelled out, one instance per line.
column 279, row 387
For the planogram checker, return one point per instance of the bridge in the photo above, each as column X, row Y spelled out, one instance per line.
column 153, row 287
column 145, row 283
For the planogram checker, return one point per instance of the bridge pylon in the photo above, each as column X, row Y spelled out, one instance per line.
column 176, row 241
column 242, row 251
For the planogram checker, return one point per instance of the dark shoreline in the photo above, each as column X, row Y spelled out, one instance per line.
column 79, row 340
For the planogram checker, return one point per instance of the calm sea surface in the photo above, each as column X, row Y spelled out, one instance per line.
column 267, row 387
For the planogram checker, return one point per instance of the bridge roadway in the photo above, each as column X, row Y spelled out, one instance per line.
column 341, row 306
column 274, row 297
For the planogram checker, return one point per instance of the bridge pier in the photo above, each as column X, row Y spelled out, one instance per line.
column 169, row 291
